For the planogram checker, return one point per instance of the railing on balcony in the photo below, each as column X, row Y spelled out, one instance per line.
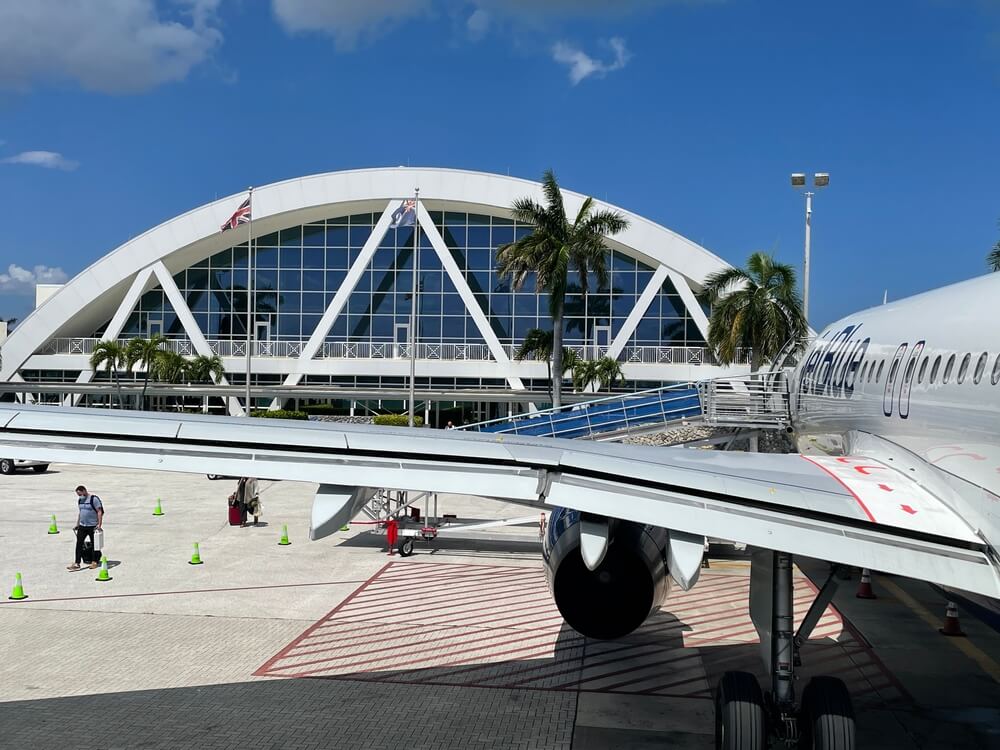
column 760, row 400
column 648, row 355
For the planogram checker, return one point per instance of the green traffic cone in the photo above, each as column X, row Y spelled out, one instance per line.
column 18, row 592
column 159, row 510
column 284, row 536
column 346, row 527
column 53, row 529
column 196, row 557
column 102, row 574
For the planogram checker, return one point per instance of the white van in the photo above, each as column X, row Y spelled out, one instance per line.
column 10, row 465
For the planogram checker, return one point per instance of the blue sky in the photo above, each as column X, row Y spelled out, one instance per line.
column 115, row 117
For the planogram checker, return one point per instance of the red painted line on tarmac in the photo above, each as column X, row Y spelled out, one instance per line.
column 398, row 583
column 844, row 485
column 425, row 659
column 395, row 649
column 699, row 666
column 186, row 591
column 586, row 661
column 533, row 608
column 261, row 670
column 429, row 603
column 673, row 659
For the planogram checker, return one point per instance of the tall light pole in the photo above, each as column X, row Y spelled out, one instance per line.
column 820, row 180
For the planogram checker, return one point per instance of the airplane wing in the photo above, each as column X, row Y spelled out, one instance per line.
column 855, row 510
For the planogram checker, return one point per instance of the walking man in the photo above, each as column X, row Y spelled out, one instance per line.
column 91, row 513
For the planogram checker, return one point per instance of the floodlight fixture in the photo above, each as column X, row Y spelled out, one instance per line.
column 798, row 180
column 821, row 179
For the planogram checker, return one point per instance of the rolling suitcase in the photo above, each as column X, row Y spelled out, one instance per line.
column 235, row 515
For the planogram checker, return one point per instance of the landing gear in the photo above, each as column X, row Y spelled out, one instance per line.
column 405, row 548
column 740, row 720
column 746, row 719
column 827, row 718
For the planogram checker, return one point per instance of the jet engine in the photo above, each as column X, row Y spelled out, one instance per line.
column 613, row 593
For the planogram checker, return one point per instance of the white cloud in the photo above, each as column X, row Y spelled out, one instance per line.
column 478, row 23
column 47, row 159
column 111, row 46
column 21, row 281
column 347, row 20
column 581, row 65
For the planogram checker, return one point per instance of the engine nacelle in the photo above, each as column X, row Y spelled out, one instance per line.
column 630, row 582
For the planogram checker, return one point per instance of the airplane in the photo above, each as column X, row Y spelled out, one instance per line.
column 895, row 411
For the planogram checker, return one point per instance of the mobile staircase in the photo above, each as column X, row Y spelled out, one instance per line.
column 605, row 418
column 749, row 402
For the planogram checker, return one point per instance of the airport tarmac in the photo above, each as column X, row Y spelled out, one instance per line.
column 334, row 644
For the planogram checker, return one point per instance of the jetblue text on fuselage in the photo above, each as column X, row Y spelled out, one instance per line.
column 833, row 364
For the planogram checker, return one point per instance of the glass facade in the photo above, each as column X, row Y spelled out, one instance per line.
column 298, row 270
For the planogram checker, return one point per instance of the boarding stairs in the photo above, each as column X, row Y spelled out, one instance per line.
column 746, row 402
column 605, row 418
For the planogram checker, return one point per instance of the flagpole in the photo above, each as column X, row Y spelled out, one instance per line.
column 413, row 300
column 250, row 304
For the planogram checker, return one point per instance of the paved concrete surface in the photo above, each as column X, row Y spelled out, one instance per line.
column 459, row 647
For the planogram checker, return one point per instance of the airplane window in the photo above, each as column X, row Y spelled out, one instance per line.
column 864, row 371
column 892, row 371
column 964, row 369
column 935, row 368
column 923, row 369
column 878, row 375
column 909, row 370
column 995, row 378
column 948, row 368
column 980, row 368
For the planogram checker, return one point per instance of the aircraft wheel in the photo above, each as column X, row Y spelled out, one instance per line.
column 740, row 720
column 405, row 548
column 827, row 721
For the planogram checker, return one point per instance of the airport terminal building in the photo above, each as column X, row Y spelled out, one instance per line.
column 332, row 293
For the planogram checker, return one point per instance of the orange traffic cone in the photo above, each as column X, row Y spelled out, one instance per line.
column 951, row 625
column 865, row 587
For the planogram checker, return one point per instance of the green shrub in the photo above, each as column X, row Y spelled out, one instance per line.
column 279, row 414
column 398, row 420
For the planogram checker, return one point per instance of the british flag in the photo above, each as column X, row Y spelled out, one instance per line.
column 242, row 216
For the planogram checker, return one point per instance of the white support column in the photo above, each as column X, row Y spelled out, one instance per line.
column 691, row 303
column 641, row 305
column 140, row 285
column 190, row 325
column 339, row 300
column 472, row 307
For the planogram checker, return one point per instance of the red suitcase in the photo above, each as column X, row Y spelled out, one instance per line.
column 236, row 516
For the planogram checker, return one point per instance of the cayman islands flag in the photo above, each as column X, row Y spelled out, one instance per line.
column 241, row 216
column 405, row 215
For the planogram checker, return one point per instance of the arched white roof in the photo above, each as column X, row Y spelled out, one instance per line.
column 92, row 297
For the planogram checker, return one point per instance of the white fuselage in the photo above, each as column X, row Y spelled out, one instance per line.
column 921, row 374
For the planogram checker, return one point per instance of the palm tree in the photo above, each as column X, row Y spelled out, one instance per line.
column 206, row 368
column 994, row 258
column 143, row 352
column 169, row 367
column 755, row 308
column 606, row 372
column 537, row 344
column 114, row 358
column 553, row 249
